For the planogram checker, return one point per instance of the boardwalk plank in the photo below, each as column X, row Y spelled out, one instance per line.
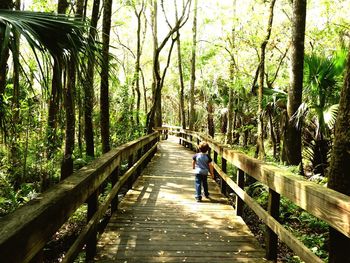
column 160, row 221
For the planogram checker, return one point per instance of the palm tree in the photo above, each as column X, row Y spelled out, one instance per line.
column 321, row 95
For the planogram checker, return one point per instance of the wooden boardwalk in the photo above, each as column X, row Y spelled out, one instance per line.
column 159, row 220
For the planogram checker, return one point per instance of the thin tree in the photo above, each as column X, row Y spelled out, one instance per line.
column 104, row 95
column 69, row 105
column 4, row 4
column 230, row 125
column 136, row 80
column 193, row 66
column 291, row 152
column 154, row 116
column 54, row 102
column 260, row 140
column 89, row 85
column 338, row 174
column 181, row 78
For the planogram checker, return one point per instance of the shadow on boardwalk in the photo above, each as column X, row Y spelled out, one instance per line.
column 159, row 220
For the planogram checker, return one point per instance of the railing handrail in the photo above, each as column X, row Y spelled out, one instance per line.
column 324, row 203
column 31, row 226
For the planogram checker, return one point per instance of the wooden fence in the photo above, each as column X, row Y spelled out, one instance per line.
column 25, row 232
column 328, row 205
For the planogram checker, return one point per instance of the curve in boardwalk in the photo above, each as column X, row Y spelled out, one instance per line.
column 159, row 220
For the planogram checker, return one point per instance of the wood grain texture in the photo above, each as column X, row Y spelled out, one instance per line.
column 159, row 220
column 322, row 202
column 32, row 225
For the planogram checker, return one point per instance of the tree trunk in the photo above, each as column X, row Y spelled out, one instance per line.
column 69, row 95
column 104, row 97
column 260, row 140
column 89, row 86
column 69, row 104
column 210, row 109
column 56, row 88
column 338, row 175
column 193, row 65
column 229, row 135
column 181, row 78
column 137, row 63
column 14, row 146
column 4, row 4
column 292, row 135
column 154, row 117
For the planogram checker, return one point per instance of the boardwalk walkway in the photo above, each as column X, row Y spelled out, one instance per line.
column 160, row 221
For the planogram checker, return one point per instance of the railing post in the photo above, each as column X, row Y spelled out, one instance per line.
column 215, row 161
column 191, row 145
column 239, row 201
column 92, row 241
column 271, row 237
column 130, row 164
column 114, row 180
column 139, row 169
column 223, row 185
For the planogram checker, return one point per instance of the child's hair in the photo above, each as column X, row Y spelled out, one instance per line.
column 203, row 147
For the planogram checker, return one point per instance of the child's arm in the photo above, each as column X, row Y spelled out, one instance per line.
column 193, row 164
column 211, row 169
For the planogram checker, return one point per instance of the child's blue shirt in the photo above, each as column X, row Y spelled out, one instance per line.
column 202, row 163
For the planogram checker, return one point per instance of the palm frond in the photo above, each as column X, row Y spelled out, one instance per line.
column 330, row 115
column 57, row 34
column 298, row 117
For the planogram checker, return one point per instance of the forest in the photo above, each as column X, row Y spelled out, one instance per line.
column 270, row 78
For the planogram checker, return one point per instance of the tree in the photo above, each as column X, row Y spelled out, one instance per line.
column 136, row 79
column 260, row 140
column 69, row 92
column 291, row 152
column 89, row 85
column 154, row 117
column 104, row 96
column 338, row 174
column 181, row 78
column 193, row 65
column 321, row 92
column 230, row 125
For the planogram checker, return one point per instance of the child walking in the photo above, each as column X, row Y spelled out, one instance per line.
column 201, row 162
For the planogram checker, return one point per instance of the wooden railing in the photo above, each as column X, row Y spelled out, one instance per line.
column 24, row 233
column 328, row 205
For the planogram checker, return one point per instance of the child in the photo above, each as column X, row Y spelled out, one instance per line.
column 201, row 162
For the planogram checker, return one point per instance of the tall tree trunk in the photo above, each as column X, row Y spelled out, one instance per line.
column 69, row 95
column 193, row 65
column 137, row 62
column 229, row 135
column 338, row 174
column 54, row 102
column 14, row 146
column 260, row 141
column 154, row 118
column 182, row 86
column 4, row 4
column 69, row 104
column 210, row 109
column 104, row 97
column 89, row 86
column 155, row 69
column 181, row 78
column 56, row 88
column 291, row 152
